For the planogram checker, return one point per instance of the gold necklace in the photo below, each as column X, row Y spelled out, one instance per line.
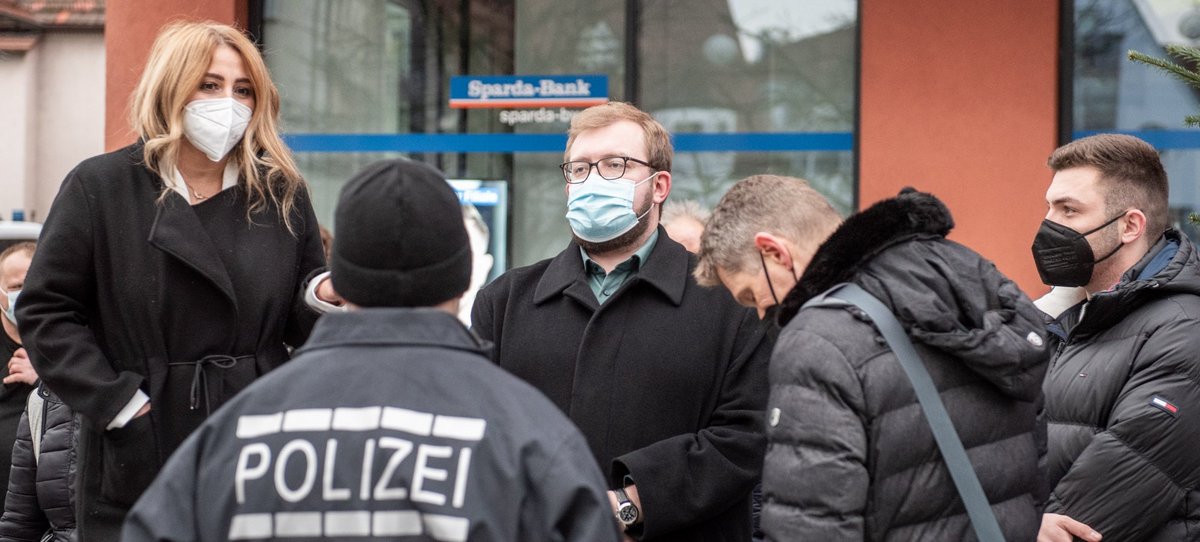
column 195, row 195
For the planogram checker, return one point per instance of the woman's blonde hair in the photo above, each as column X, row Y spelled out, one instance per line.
column 178, row 62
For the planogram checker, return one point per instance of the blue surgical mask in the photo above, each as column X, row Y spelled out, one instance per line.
column 11, row 311
column 601, row 210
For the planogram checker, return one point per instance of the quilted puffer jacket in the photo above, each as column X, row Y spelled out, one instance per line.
column 1123, row 401
column 41, row 494
column 851, row 455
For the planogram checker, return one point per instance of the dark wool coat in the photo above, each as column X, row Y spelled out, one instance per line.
column 420, row 434
column 127, row 292
column 12, row 404
column 41, row 496
column 851, row 454
column 1123, row 402
column 666, row 380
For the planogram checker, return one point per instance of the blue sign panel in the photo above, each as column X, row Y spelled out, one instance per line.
column 527, row 91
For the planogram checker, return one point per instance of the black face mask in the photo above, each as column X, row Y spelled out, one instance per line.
column 1063, row 255
column 774, row 297
column 770, row 311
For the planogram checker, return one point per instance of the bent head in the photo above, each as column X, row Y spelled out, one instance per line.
column 761, row 236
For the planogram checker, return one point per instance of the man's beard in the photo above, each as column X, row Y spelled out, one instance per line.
column 625, row 240
column 1112, row 242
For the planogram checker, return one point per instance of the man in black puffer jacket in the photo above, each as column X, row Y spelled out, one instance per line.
column 851, row 455
column 1122, row 396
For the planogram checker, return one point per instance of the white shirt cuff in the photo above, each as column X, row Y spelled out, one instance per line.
column 315, row 303
column 132, row 407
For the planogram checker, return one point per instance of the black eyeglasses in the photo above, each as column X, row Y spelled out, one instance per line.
column 609, row 168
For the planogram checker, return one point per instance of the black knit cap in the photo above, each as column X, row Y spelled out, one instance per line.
column 400, row 239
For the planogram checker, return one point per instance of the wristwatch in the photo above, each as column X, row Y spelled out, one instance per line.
column 627, row 512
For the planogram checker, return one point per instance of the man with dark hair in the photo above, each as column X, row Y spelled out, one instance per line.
column 1124, row 316
column 851, row 455
column 666, row 379
column 390, row 423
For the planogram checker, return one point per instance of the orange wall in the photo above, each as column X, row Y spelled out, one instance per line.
column 129, row 31
column 959, row 98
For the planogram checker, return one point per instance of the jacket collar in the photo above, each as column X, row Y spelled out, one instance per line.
column 862, row 236
column 394, row 327
column 666, row 269
column 178, row 232
column 1169, row 267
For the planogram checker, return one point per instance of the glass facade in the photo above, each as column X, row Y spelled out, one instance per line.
column 1112, row 93
column 732, row 79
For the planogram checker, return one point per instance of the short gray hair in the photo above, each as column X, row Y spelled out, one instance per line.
column 784, row 206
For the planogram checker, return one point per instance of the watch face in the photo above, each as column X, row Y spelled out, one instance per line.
column 627, row 513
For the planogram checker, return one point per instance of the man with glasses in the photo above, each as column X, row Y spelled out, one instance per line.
column 666, row 379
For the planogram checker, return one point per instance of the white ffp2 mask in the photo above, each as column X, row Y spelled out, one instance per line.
column 215, row 126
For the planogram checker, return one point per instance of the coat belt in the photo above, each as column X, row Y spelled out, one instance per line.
column 200, row 375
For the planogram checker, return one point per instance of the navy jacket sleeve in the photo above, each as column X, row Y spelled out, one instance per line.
column 23, row 520
column 53, row 313
column 699, row 475
column 569, row 502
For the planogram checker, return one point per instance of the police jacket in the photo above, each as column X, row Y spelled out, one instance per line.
column 851, row 455
column 1123, row 402
column 41, row 492
column 388, row 424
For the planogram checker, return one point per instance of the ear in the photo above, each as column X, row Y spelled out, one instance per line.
column 1133, row 226
column 773, row 248
column 662, row 187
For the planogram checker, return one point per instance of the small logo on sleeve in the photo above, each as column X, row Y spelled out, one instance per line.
column 1164, row 405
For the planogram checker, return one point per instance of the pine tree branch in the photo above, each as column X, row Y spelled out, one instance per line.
column 1187, row 76
column 1190, row 54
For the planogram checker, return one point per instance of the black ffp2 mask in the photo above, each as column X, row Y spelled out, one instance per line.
column 1063, row 255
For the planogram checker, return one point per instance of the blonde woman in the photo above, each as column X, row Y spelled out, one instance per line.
column 169, row 273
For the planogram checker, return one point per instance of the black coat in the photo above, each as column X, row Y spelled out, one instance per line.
column 404, row 418
column 1119, row 460
column 12, row 404
column 851, row 454
column 128, row 292
column 666, row 380
column 40, row 493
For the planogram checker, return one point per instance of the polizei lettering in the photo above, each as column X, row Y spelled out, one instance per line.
column 390, row 471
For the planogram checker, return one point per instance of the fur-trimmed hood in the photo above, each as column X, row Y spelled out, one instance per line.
column 862, row 236
column 947, row 296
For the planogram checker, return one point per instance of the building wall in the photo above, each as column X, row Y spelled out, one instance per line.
column 70, row 113
column 960, row 98
column 18, row 78
column 130, row 29
column 951, row 102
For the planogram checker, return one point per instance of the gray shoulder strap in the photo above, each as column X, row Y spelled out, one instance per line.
column 978, row 509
